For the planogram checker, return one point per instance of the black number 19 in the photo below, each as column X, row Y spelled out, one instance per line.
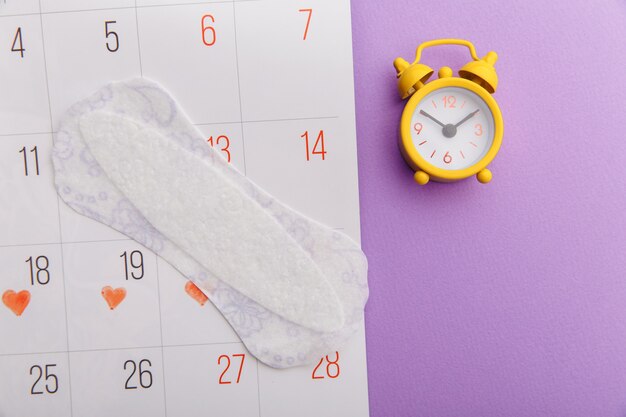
column 133, row 264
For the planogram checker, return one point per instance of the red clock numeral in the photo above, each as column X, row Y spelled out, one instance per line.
column 208, row 28
column 226, row 360
column 225, row 143
column 417, row 127
column 449, row 102
column 478, row 129
column 308, row 21
column 447, row 158
column 319, row 147
column 332, row 368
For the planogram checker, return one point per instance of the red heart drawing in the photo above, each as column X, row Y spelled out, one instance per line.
column 195, row 293
column 16, row 302
column 112, row 296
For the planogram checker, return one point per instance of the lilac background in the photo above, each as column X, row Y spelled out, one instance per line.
column 507, row 299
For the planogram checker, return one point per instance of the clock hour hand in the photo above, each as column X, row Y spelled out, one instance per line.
column 466, row 118
column 422, row 112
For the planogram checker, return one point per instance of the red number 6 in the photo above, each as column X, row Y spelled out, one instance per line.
column 447, row 158
column 206, row 28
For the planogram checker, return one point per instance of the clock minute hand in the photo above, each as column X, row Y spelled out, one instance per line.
column 466, row 118
column 431, row 118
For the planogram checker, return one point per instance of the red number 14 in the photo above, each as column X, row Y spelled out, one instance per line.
column 318, row 147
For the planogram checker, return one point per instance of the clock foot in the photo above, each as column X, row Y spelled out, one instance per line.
column 421, row 177
column 484, row 176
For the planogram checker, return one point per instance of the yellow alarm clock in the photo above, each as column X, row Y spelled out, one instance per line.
column 451, row 128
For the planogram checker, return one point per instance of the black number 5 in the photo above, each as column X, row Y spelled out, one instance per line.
column 110, row 33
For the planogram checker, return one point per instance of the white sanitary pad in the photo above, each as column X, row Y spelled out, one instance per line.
column 292, row 288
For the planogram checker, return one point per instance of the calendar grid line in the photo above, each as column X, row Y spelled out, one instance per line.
column 243, row 143
column 121, row 348
column 26, row 133
column 138, row 41
column 147, row 6
column 65, row 243
column 243, row 139
column 156, row 262
column 258, row 387
column 77, row 242
column 58, row 200
column 291, row 119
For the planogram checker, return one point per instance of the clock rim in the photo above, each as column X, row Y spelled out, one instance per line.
column 412, row 156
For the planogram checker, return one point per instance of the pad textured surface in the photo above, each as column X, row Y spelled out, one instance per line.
column 212, row 220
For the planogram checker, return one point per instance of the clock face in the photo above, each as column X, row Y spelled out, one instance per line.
column 452, row 128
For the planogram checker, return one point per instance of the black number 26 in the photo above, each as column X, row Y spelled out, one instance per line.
column 113, row 41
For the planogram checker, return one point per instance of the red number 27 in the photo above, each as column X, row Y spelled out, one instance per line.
column 225, row 359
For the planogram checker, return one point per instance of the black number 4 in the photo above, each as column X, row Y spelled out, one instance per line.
column 109, row 33
column 48, row 376
column 17, row 45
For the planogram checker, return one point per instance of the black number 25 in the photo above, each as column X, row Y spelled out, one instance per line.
column 113, row 41
column 51, row 381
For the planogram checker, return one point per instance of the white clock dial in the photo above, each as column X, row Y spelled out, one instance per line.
column 452, row 128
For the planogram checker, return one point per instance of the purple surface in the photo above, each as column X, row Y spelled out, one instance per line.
column 507, row 299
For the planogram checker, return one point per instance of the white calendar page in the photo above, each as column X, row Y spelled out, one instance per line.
column 270, row 84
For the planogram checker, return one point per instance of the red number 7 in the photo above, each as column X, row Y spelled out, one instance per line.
column 308, row 20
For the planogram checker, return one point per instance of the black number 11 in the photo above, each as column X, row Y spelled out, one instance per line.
column 35, row 157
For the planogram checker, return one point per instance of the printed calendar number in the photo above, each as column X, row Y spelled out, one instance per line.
column 222, row 142
column 330, row 370
column 113, row 40
column 140, row 375
column 308, row 21
column 17, row 45
column 46, row 382
column 31, row 160
column 133, row 264
column 319, row 147
column 226, row 377
column 209, row 36
column 38, row 268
